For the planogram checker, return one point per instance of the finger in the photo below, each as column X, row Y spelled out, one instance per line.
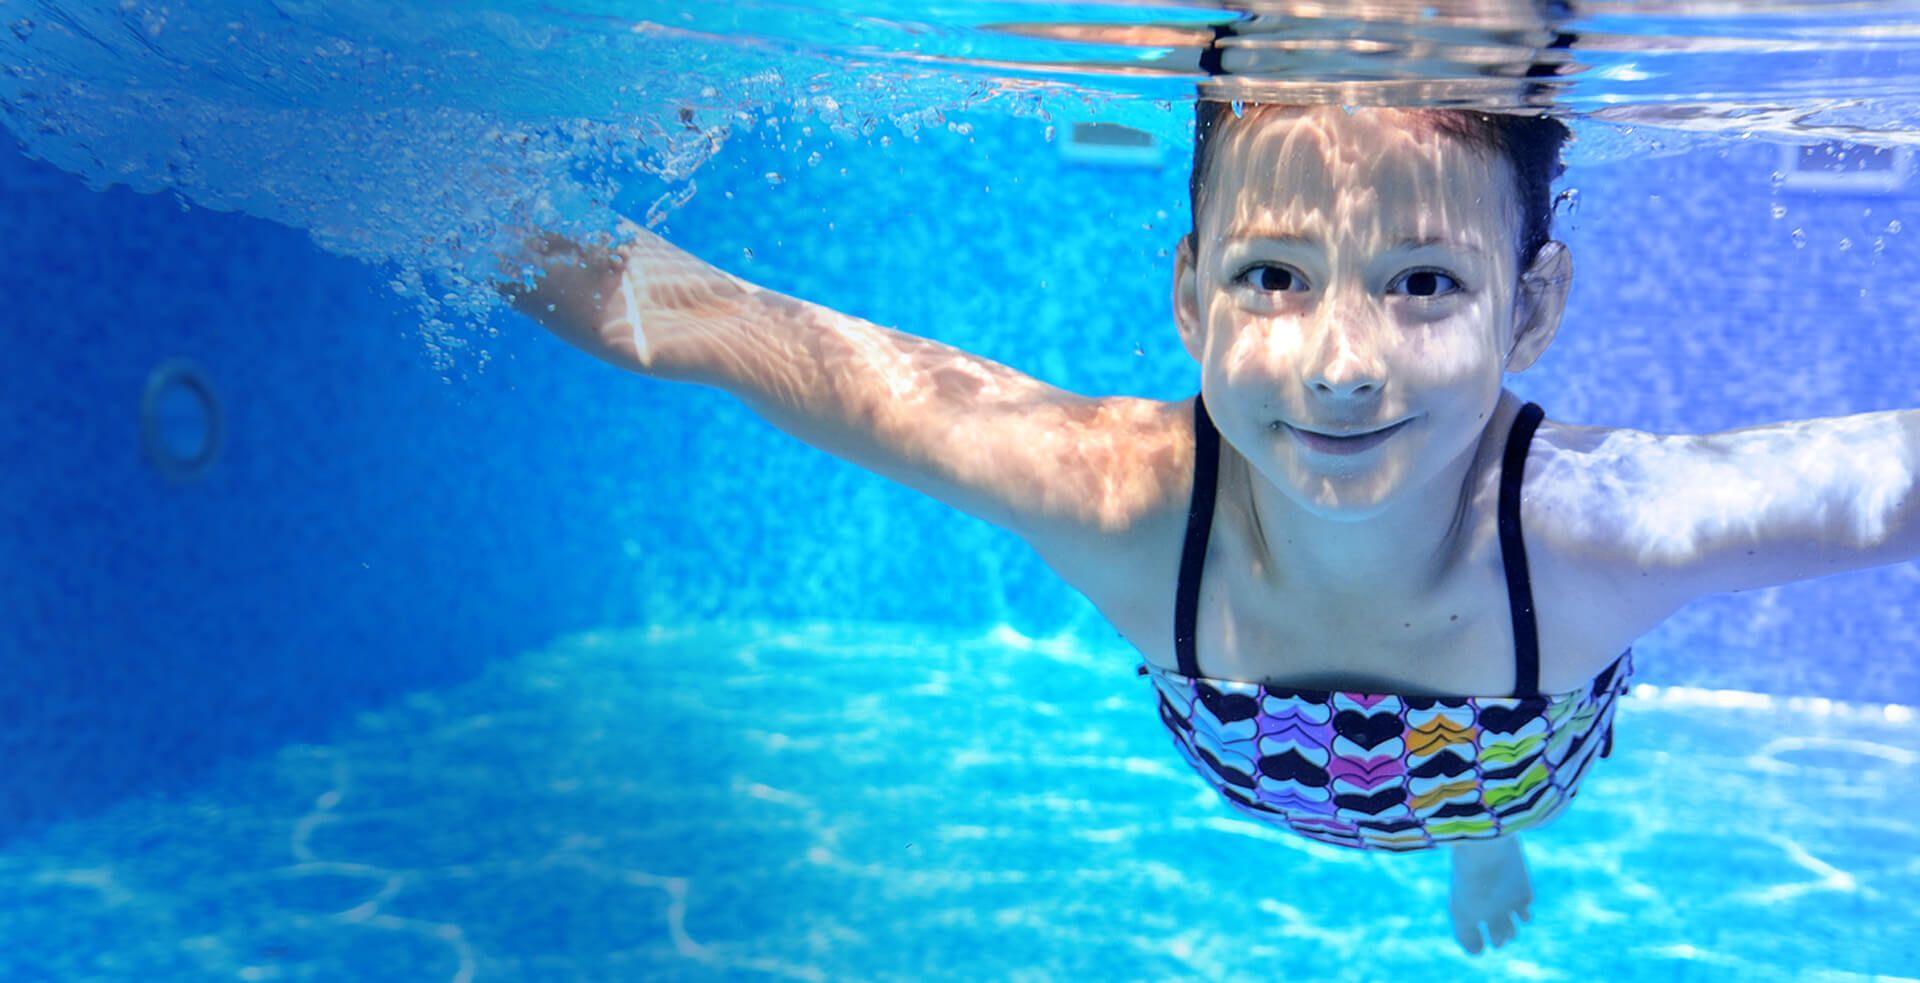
column 1467, row 933
column 1500, row 929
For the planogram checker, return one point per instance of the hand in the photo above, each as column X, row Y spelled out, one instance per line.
column 621, row 303
column 1491, row 889
column 589, row 293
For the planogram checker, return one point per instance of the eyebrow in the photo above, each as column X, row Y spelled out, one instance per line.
column 1264, row 238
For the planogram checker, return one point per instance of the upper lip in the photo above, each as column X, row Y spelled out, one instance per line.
column 1352, row 431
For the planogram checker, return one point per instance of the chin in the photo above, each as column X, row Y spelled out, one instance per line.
column 1344, row 495
column 1341, row 502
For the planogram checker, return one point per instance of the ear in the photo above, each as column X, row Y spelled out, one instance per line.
column 1186, row 300
column 1538, row 304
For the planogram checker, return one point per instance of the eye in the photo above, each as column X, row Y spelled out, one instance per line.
column 1425, row 283
column 1271, row 278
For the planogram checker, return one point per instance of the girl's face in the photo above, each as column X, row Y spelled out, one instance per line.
column 1351, row 300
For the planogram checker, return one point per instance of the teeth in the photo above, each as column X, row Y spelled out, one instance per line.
column 1354, row 436
column 1277, row 425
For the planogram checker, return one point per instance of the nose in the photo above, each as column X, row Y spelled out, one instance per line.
column 1346, row 362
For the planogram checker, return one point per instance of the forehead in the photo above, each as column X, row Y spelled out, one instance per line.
column 1327, row 171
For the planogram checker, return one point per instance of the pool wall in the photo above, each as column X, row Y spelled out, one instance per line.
column 376, row 525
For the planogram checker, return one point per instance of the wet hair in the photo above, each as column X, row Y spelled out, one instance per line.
column 1530, row 143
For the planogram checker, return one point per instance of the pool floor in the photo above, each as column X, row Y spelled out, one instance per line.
column 830, row 802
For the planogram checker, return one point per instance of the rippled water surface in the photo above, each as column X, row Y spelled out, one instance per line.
column 866, row 802
column 424, row 135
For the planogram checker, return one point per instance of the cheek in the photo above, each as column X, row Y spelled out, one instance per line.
column 1452, row 350
column 1252, row 347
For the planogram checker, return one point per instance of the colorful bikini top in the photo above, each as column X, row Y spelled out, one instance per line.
column 1378, row 771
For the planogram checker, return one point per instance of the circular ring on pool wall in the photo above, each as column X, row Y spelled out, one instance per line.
column 181, row 425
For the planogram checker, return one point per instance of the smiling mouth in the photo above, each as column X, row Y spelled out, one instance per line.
column 1352, row 444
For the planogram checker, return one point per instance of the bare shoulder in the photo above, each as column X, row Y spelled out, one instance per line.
column 1123, row 461
column 1642, row 523
column 1579, row 480
column 1115, row 511
column 1582, row 488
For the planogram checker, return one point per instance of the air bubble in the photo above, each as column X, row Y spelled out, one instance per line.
column 748, row 253
column 1799, row 239
column 1846, row 244
column 1567, row 202
column 774, row 178
column 1893, row 227
column 1139, row 350
column 1778, row 179
column 1779, row 211
column 813, row 159
column 1239, row 109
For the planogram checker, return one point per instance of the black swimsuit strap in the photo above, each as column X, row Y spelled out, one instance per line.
column 1193, row 555
column 1513, row 553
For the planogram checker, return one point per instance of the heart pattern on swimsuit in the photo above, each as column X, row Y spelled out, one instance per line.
column 1376, row 771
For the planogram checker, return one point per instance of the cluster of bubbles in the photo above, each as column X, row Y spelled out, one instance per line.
column 427, row 141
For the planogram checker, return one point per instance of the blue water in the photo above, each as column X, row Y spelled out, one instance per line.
column 888, row 802
column 471, row 658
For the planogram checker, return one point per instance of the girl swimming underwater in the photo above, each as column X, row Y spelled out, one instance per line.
column 1383, row 603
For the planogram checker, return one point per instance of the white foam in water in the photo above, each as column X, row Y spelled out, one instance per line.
column 424, row 137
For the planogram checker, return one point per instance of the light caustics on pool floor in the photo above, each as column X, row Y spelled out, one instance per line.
column 857, row 802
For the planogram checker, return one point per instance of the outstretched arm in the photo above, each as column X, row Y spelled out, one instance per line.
column 1062, row 470
column 1674, row 518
